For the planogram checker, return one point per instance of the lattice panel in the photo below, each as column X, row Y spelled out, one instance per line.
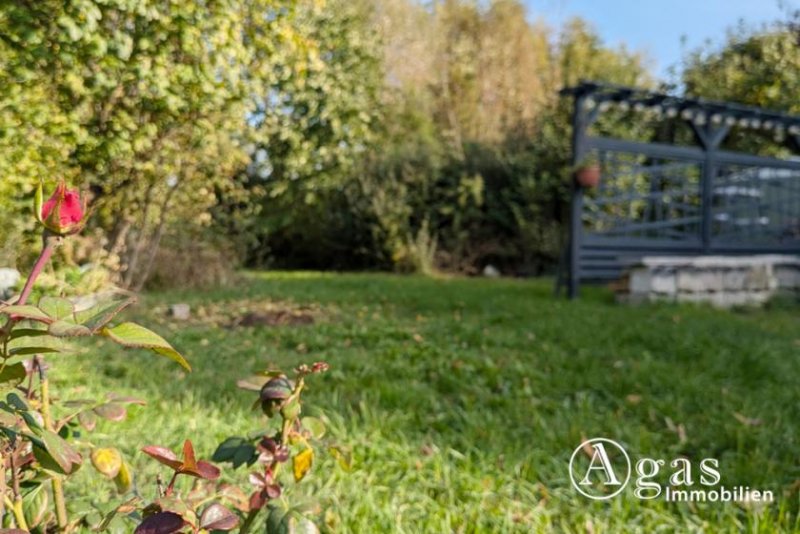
column 643, row 197
column 757, row 205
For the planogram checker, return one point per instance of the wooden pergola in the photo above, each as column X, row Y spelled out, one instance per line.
column 666, row 199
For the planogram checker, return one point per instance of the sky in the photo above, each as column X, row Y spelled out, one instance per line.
column 657, row 26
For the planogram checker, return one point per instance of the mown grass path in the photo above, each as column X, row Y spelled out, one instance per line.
column 462, row 399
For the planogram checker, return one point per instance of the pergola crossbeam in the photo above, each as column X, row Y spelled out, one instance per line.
column 699, row 110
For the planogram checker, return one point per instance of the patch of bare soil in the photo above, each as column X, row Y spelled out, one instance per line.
column 250, row 313
column 275, row 318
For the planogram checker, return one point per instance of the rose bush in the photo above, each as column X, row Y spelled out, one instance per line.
column 38, row 446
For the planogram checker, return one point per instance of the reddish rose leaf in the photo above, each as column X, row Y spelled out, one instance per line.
column 164, row 456
column 257, row 500
column 111, row 411
column 217, row 517
column 188, row 466
column 257, row 480
column 123, row 399
column 161, row 523
column 88, row 420
column 279, row 388
column 233, row 496
column 189, row 460
column 206, row 470
column 273, row 491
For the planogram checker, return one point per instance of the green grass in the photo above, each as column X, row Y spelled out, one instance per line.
column 462, row 400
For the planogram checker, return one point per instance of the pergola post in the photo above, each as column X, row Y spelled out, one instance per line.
column 576, row 206
column 582, row 119
column 710, row 138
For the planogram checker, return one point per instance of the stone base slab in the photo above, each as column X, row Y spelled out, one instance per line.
column 723, row 281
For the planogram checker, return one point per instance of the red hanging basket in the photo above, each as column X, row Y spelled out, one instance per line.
column 588, row 176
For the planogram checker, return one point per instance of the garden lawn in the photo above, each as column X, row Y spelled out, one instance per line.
column 461, row 400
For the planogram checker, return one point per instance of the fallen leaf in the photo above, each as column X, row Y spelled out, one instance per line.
column 746, row 421
column 633, row 398
column 588, row 450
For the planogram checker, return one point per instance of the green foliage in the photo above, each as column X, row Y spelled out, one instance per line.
column 134, row 335
column 314, row 117
column 472, row 165
column 34, row 444
column 330, row 134
column 37, row 447
column 145, row 101
column 160, row 119
column 115, row 102
column 267, row 450
column 760, row 68
column 302, row 131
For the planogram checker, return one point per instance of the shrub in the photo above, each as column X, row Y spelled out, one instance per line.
column 185, row 263
column 40, row 449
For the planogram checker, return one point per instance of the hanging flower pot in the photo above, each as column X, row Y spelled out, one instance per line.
column 588, row 176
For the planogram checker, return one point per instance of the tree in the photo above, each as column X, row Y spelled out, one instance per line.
column 314, row 117
column 475, row 145
column 755, row 67
column 144, row 101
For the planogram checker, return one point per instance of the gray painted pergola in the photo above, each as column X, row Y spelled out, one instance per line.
column 664, row 199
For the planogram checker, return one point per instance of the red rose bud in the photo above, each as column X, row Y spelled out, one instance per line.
column 63, row 213
column 320, row 367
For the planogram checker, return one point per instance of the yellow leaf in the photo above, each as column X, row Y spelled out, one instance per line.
column 107, row 461
column 301, row 463
column 124, row 479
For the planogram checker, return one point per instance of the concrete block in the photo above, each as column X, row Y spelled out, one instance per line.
column 180, row 311
column 699, row 281
column 759, row 278
column 787, row 276
column 640, row 281
column 722, row 281
column 733, row 279
column 664, row 284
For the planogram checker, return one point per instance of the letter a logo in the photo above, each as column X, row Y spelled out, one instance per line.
column 606, row 460
column 600, row 456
